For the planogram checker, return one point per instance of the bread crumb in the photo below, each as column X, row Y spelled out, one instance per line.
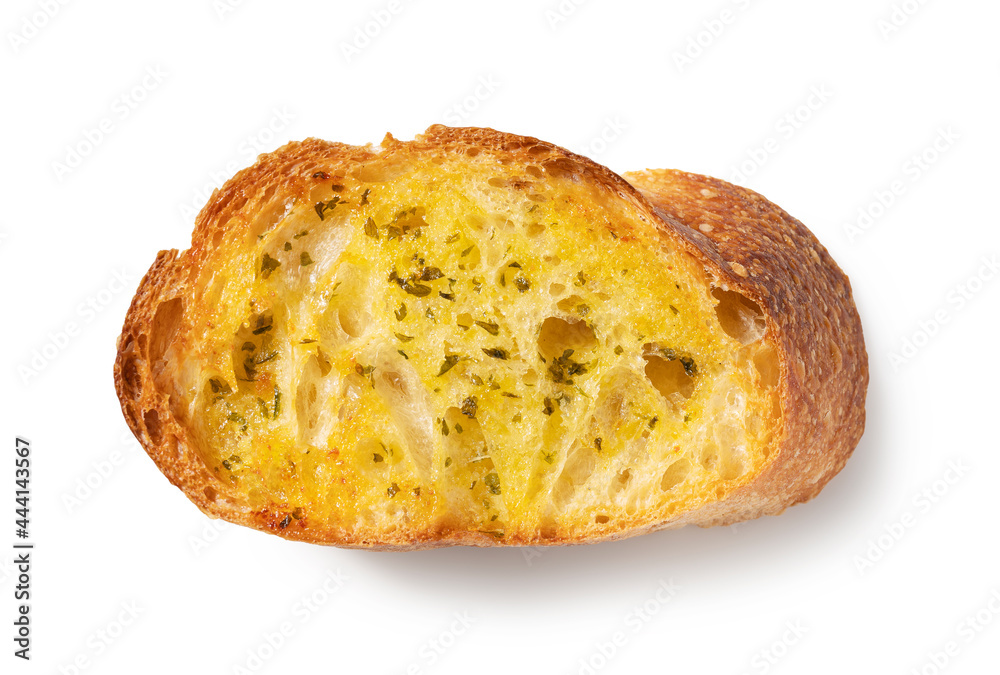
column 710, row 194
column 706, row 228
column 739, row 269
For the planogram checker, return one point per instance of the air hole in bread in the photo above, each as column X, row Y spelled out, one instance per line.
column 534, row 229
column 766, row 363
column 669, row 377
column 152, row 422
column 210, row 493
column 601, row 519
column 675, row 474
column 313, row 396
column 619, row 483
column 165, row 323
column 580, row 464
column 354, row 319
column 573, row 304
column 558, row 335
column 739, row 316
column 709, row 457
column 407, row 400
column 614, row 417
column 348, row 306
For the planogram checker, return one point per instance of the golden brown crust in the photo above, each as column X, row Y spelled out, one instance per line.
column 745, row 243
column 759, row 250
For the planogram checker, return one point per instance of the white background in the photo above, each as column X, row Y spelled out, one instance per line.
column 188, row 92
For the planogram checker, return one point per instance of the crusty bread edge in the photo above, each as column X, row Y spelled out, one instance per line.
column 752, row 247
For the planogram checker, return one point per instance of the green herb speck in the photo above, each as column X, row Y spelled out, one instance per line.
column 448, row 363
column 469, row 407
column 492, row 481
column 268, row 265
column 489, row 327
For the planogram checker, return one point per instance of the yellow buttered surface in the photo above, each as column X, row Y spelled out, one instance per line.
column 442, row 351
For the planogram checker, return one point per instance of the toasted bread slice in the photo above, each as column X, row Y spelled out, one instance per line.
column 480, row 338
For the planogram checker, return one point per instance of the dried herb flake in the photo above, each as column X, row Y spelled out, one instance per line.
column 268, row 265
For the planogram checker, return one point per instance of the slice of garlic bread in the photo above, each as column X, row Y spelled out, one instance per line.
column 480, row 338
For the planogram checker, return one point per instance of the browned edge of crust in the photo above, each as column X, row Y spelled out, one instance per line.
column 751, row 246
column 759, row 250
